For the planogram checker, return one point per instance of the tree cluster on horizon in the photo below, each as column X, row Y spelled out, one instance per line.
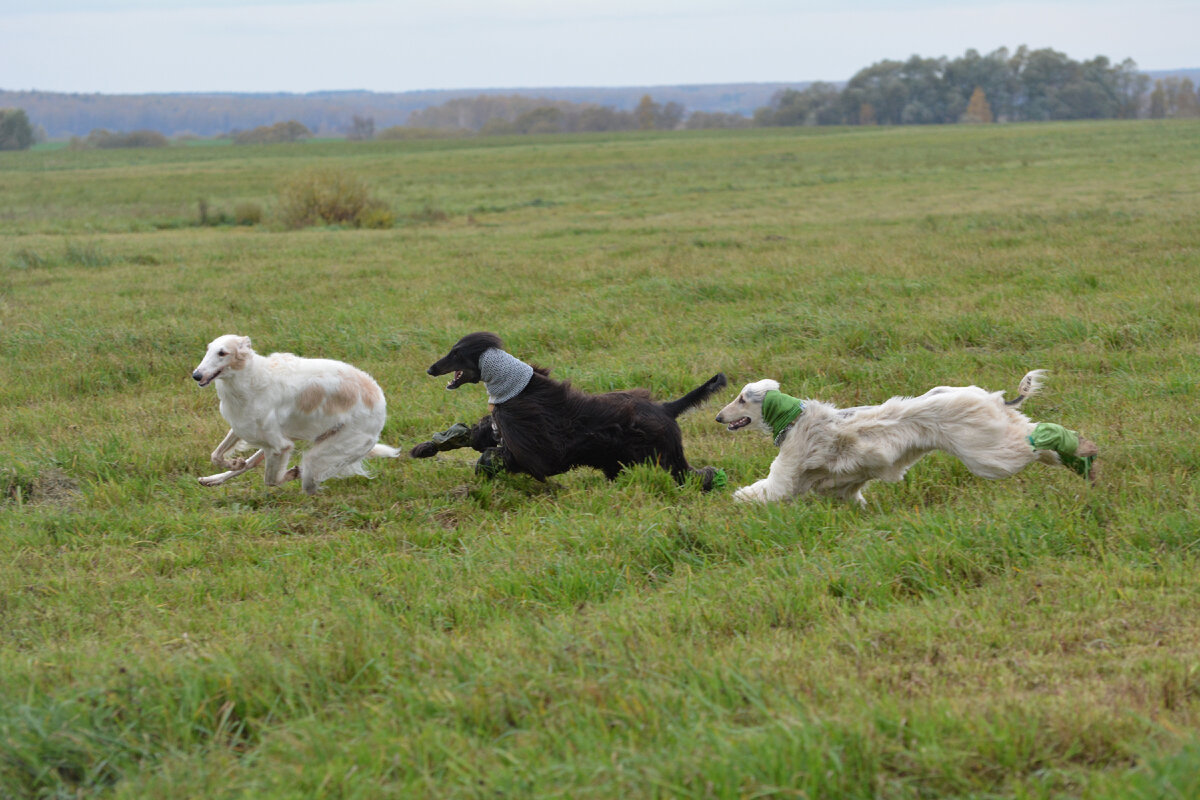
column 1027, row 85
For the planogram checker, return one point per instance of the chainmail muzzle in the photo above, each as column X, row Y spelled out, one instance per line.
column 505, row 376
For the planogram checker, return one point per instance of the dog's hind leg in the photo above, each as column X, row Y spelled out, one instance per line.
column 1074, row 452
column 337, row 453
column 276, row 466
column 247, row 465
column 710, row 477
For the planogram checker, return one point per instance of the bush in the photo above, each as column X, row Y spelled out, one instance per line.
column 25, row 258
column 247, row 213
column 15, row 131
column 85, row 254
column 107, row 140
column 329, row 197
column 429, row 214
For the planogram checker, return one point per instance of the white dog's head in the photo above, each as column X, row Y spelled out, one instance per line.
column 229, row 352
column 746, row 409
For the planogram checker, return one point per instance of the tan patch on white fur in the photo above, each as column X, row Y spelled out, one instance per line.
column 310, row 399
column 368, row 391
column 344, row 397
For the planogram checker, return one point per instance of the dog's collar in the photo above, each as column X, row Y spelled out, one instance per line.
column 779, row 437
column 780, row 411
column 505, row 376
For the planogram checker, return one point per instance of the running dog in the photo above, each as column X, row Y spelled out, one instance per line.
column 544, row 427
column 836, row 452
column 272, row 402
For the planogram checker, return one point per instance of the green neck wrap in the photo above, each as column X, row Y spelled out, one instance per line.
column 780, row 410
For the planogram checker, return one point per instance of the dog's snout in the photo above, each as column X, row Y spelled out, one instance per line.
column 197, row 375
column 430, row 371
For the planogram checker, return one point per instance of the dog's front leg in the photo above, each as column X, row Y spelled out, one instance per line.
column 754, row 493
column 218, row 455
column 246, row 465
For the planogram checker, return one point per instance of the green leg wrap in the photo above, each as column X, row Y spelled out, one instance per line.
column 1048, row 436
column 720, row 480
column 457, row 435
column 714, row 479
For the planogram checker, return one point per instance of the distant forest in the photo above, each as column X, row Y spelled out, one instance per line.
column 1001, row 86
column 61, row 116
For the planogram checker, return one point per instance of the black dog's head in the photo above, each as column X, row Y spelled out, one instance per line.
column 463, row 358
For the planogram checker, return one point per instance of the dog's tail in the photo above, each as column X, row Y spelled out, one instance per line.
column 696, row 396
column 383, row 451
column 1030, row 385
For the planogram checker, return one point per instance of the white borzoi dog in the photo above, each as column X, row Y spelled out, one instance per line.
column 272, row 402
column 835, row 452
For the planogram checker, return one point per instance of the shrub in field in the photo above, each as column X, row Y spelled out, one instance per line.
column 25, row 258
column 428, row 214
column 108, row 140
column 330, row 197
column 85, row 254
column 244, row 213
column 247, row 213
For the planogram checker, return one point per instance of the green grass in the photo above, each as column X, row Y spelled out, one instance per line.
column 430, row 634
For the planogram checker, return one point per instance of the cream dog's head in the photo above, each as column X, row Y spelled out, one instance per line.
column 746, row 409
column 229, row 352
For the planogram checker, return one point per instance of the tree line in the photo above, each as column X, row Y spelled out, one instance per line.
column 1021, row 86
column 1001, row 86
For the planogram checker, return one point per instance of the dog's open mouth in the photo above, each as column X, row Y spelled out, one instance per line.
column 210, row 378
column 739, row 423
column 457, row 381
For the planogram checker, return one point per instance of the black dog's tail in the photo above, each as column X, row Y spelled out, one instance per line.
column 696, row 396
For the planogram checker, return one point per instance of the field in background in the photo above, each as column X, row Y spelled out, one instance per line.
column 428, row 633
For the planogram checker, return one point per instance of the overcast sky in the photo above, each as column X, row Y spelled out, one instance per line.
column 136, row 46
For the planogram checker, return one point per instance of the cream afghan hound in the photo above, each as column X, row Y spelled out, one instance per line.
column 836, row 452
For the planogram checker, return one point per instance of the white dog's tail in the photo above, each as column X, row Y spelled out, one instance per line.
column 383, row 451
column 1030, row 385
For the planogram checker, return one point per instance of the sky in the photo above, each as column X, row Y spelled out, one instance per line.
column 151, row 46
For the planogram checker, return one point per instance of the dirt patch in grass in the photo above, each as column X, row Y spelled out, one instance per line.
column 50, row 486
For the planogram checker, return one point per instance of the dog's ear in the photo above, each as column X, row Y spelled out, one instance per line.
column 755, row 392
column 244, row 343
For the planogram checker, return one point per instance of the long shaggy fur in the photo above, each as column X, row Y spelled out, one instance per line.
column 836, row 452
column 272, row 402
column 550, row 427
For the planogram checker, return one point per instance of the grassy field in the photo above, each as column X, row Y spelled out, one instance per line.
column 430, row 634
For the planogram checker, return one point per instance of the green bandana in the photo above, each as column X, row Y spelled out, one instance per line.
column 780, row 410
column 1049, row 436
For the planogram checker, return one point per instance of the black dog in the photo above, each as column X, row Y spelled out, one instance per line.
column 544, row 427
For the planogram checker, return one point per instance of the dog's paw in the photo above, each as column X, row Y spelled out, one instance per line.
column 424, row 450
column 490, row 463
column 749, row 494
column 236, row 463
column 209, row 480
